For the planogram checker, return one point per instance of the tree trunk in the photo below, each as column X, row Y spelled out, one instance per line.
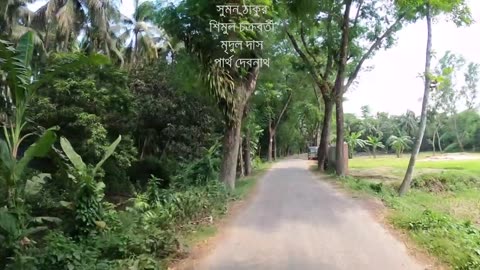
column 241, row 171
column 339, row 90
column 318, row 136
column 246, row 154
column 339, row 149
column 231, row 138
column 231, row 142
column 459, row 141
column 270, row 141
column 274, row 147
column 325, row 137
column 433, row 141
column 374, row 152
column 423, row 118
column 439, row 143
column 144, row 148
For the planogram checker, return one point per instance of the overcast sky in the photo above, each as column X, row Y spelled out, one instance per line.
column 393, row 85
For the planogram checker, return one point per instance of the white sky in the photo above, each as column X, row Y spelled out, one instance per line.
column 393, row 85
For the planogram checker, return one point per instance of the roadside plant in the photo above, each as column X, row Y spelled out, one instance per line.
column 89, row 191
column 375, row 142
column 354, row 141
column 400, row 144
column 17, row 88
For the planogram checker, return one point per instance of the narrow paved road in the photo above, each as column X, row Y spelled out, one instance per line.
column 296, row 221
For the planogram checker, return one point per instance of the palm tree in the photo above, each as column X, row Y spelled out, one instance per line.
column 62, row 21
column 140, row 36
column 375, row 142
column 408, row 123
column 16, row 19
column 12, row 13
column 353, row 140
column 399, row 144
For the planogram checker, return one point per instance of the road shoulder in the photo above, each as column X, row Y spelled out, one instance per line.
column 204, row 239
column 380, row 213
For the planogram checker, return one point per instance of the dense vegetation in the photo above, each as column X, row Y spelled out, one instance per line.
column 117, row 129
column 384, row 133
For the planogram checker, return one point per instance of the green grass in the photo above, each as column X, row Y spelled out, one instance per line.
column 445, row 222
column 399, row 165
column 200, row 233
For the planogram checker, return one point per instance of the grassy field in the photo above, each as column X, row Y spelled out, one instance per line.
column 393, row 168
column 442, row 210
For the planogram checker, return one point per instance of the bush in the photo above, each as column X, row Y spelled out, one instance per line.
column 202, row 171
column 62, row 252
column 117, row 182
column 446, row 181
column 143, row 169
column 457, row 243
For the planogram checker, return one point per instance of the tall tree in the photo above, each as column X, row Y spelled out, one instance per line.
column 142, row 39
column 14, row 14
column 62, row 23
column 189, row 22
column 335, row 60
column 428, row 9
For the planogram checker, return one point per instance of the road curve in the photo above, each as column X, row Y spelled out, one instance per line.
column 296, row 221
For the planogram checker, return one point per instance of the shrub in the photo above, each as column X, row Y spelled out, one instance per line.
column 142, row 170
column 62, row 252
column 446, row 181
column 457, row 243
column 201, row 171
column 117, row 182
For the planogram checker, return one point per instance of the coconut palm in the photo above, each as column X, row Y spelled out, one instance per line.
column 140, row 36
column 13, row 13
column 62, row 21
column 375, row 142
column 409, row 123
column 399, row 143
column 16, row 19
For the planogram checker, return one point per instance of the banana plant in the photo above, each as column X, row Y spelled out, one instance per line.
column 375, row 143
column 17, row 89
column 89, row 195
column 354, row 140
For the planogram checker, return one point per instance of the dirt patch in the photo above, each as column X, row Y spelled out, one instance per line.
column 383, row 174
column 453, row 156
column 203, row 248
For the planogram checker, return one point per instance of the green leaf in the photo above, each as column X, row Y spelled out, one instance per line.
column 101, row 224
column 74, row 158
column 5, row 155
column 34, row 185
column 108, row 153
column 34, row 230
column 99, row 190
column 41, row 220
column 39, row 149
column 65, row 204
column 8, row 224
column 25, row 49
